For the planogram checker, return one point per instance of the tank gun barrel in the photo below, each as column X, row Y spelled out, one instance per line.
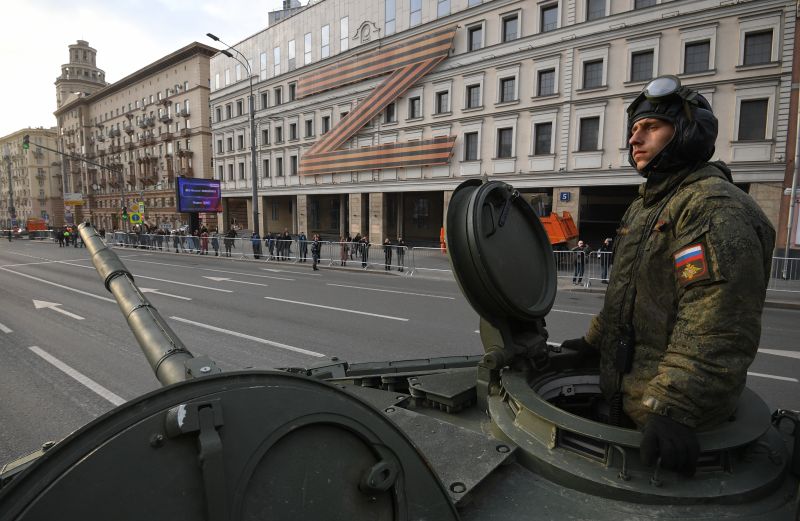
column 164, row 351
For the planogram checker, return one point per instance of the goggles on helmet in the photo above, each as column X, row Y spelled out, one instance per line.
column 662, row 96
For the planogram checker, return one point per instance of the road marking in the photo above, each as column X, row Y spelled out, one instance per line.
column 43, row 304
column 773, row 377
column 137, row 276
column 157, row 292
column 337, row 309
column 391, row 291
column 249, row 337
column 572, row 312
column 220, row 279
column 781, row 352
column 79, row 377
column 276, row 270
column 60, row 286
column 5, row 329
column 213, row 270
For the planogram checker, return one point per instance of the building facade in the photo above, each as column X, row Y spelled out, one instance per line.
column 128, row 141
column 30, row 180
column 365, row 125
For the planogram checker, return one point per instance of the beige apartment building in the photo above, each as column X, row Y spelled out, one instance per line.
column 128, row 141
column 369, row 113
column 33, row 178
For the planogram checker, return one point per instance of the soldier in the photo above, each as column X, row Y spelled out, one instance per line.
column 681, row 320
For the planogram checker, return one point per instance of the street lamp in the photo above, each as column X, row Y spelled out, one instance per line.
column 254, row 166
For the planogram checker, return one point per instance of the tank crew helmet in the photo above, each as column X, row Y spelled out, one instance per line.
column 689, row 113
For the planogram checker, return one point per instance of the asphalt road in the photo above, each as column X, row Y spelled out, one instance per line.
column 67, row 356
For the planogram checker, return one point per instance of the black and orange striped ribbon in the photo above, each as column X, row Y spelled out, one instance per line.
column 407, row 62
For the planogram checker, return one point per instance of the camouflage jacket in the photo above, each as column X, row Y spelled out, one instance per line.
column 691, row 265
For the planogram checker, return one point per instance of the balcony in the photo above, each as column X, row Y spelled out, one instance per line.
column 185, row 153
column 40, row 176
column 130, row 146
column 146, row 141
column 101, row 138
column 70, row 145
column 114, row 149
column 128, row 129
column 165, row 118
column 184, row 113
column 166, row 136
column 186, row 132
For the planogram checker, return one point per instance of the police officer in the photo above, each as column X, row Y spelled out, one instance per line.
column 681, row 320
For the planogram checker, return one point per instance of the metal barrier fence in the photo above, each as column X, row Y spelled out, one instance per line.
column 785, row 275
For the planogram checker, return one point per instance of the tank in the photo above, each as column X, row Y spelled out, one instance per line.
column 514, row 434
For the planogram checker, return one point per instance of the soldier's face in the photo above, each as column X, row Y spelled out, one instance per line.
column 649, row 136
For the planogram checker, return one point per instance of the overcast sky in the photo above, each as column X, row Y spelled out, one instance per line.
column 127, row 34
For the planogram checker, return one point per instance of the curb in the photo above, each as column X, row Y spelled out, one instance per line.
column 781, row 304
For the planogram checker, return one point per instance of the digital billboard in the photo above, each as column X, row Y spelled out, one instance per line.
column 198, row 195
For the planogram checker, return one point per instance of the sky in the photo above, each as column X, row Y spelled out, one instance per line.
column 127, row 35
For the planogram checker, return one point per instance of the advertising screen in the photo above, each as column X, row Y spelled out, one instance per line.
column 198, row 195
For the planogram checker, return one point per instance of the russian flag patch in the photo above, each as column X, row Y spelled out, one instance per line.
column 690, row 264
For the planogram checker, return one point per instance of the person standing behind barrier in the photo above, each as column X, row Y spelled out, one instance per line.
column 270, row 240
column 303, row 240
column 387, row 254
column 316, row 247
column 287, row 244
column 203, row 241
column 74, row 237
column 229, row 239
column 581, row 251
column 364, row 251
column 604, row 253
column 401, row 254
column 215, row 242
column 356, row 246
column 344, row 246
column 175, row 240
column 255, row 240
column 60, row 238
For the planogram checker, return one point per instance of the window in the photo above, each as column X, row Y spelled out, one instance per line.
column 549, row 20
column 443, row 8
column 292, row 63
column 595, row 9
column 326, row 124
column 753, row 119
column 510, row 27
column 219, row 146
column 238, row 71
column 309, row 128
column 473, row 3
column 757, row 48
column 344, row 34
column 543, row 135
column 473, row 97
column 292, row 91
column 292, row 131
column 589, row 131
column 471, row 146
column 276, row 61
column 389, row 11
column 505, row 139
column 475, row 37
column 695, row 57
column 230, row 172
column 279, row 166
column 265, row 136
column 279, row 134
column 239, row 107
column 229, row 143
column 227, row 80
column 307, row 45
column 292, row 165
column 414, row 108
column 390, row 114
column 546, row 82
column 219, row 114
column 264, row 100
column 415, row 16
column 241, row 170
column 641, row 66
column 239, row 142
column 263, row 66
column 265, row 168
column 592, row 74
column 325, row 42
column 442, row 102
column 220, row 173
column 641, row 4
column 508, row 89
column 278, row 95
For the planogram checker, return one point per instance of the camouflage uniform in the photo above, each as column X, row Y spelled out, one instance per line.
column 696, row 324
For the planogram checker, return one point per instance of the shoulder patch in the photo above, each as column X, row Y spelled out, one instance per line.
column 691, row 265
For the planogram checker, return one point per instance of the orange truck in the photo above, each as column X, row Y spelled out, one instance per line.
column 36, row 224
column 560, row 230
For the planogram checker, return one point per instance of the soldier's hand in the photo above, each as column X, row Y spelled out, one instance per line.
column 586, row 355
column 673, row 441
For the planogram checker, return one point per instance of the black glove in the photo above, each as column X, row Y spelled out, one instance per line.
column 586, row 355
column 673, row 441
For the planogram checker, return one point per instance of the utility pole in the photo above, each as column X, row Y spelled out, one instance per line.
column 12, row 213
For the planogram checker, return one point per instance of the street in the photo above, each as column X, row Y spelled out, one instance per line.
column 67, row 355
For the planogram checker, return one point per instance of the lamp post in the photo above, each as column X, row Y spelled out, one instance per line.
column 254, row 165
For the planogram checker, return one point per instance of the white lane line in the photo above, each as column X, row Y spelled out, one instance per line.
column 773, row 377
column 391, row 291
column 43, row 304
column 249, row 337
column 276, row 270
column 157, row 292
column 137, row 276
column 572, row 312
column 61, row 286
column 5, row 329
column 781, row 352
column 79, row 377
column 337, row 309
column 219, row 279
column 213, row 270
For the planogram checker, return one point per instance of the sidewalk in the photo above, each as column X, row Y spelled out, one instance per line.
column 775, row 299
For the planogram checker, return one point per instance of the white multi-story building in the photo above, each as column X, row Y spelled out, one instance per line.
column 369, row 113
